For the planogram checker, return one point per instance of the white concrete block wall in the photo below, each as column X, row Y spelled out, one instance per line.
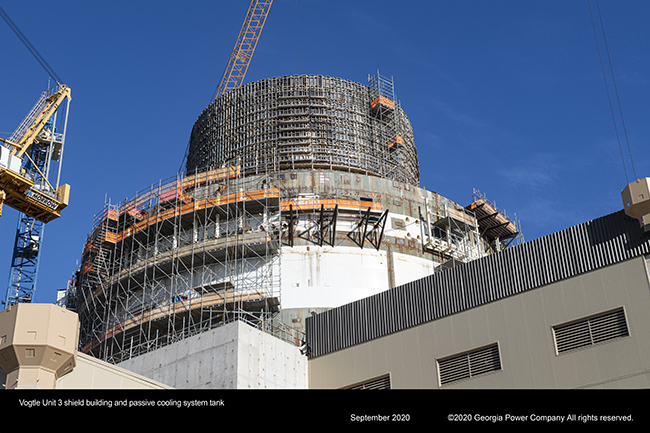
column 233, row 356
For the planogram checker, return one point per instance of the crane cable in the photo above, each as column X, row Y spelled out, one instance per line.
column 615, row 89
column 30, row 47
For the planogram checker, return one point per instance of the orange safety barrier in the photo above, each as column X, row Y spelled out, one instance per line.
column 111, row 214
column 383, row 101
column 176, row 192
column 198, row 205
column 210, row 176
column 329, row 204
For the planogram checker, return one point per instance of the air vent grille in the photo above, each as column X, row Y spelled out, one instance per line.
column 590, row 331
column 469, row 364
column 382, row 382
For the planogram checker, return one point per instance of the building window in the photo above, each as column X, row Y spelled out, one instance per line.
column 591, row 330
column 382, row 382
column 469, row 364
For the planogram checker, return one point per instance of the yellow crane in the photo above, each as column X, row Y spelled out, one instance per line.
column 25, row 159
column 245, row 46
column 30, row 170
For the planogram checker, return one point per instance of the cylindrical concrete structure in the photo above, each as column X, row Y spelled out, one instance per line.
column 305, row 122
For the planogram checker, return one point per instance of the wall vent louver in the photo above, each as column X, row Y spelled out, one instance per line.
column 382, row 382
column 469, row 364
column 590, row 331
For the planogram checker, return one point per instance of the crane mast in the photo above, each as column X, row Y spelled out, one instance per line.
column 245, row 46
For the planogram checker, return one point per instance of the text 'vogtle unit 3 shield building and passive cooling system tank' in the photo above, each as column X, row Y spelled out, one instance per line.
column 300, row 193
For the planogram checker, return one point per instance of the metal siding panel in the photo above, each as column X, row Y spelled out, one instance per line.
column 544, row 252
column 565, row 262
column 423, row 302
column 581, row 255
column 489, row 289
column 579, row 258
column 406, row 313
column 416, row 304
column 511, row 272
column 526, row 276
column 352, row 319
column 543, row 264
column 410, row 312
column 591, row 257
column 459, row 289
column 602, row 246
column 484, row 284
column 533, row 271
column 531, row 265
column 475, row 291
column 488, row 277
column 387, row 310
column 497, row 277
column 412, row 303
column 371, row 322
column 430, row 297
column 442, row 300
column 507, row 274
column 515, row 272
column 392, row 313
column 373, row 316
column 370, row 325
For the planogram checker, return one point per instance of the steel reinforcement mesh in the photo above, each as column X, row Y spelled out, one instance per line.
column 305, row 122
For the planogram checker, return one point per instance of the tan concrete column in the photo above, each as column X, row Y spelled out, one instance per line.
column 636, row 202
column 38, row 344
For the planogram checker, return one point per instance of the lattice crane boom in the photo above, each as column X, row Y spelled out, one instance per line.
column 245, row 46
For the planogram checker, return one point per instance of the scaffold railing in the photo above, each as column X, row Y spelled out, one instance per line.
column 185, row 253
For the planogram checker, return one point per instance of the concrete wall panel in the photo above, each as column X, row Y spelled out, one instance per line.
column 233, row 356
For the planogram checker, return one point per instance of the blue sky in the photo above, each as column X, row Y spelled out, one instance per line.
column 507, row 97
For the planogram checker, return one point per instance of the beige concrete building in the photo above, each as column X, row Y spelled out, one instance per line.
column 569, row 310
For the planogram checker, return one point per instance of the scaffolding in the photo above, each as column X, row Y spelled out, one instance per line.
column 451, row 233
column 304, row 122
column 391, row 126
column 192, row 253
column 495, row 225
column 181, row 257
